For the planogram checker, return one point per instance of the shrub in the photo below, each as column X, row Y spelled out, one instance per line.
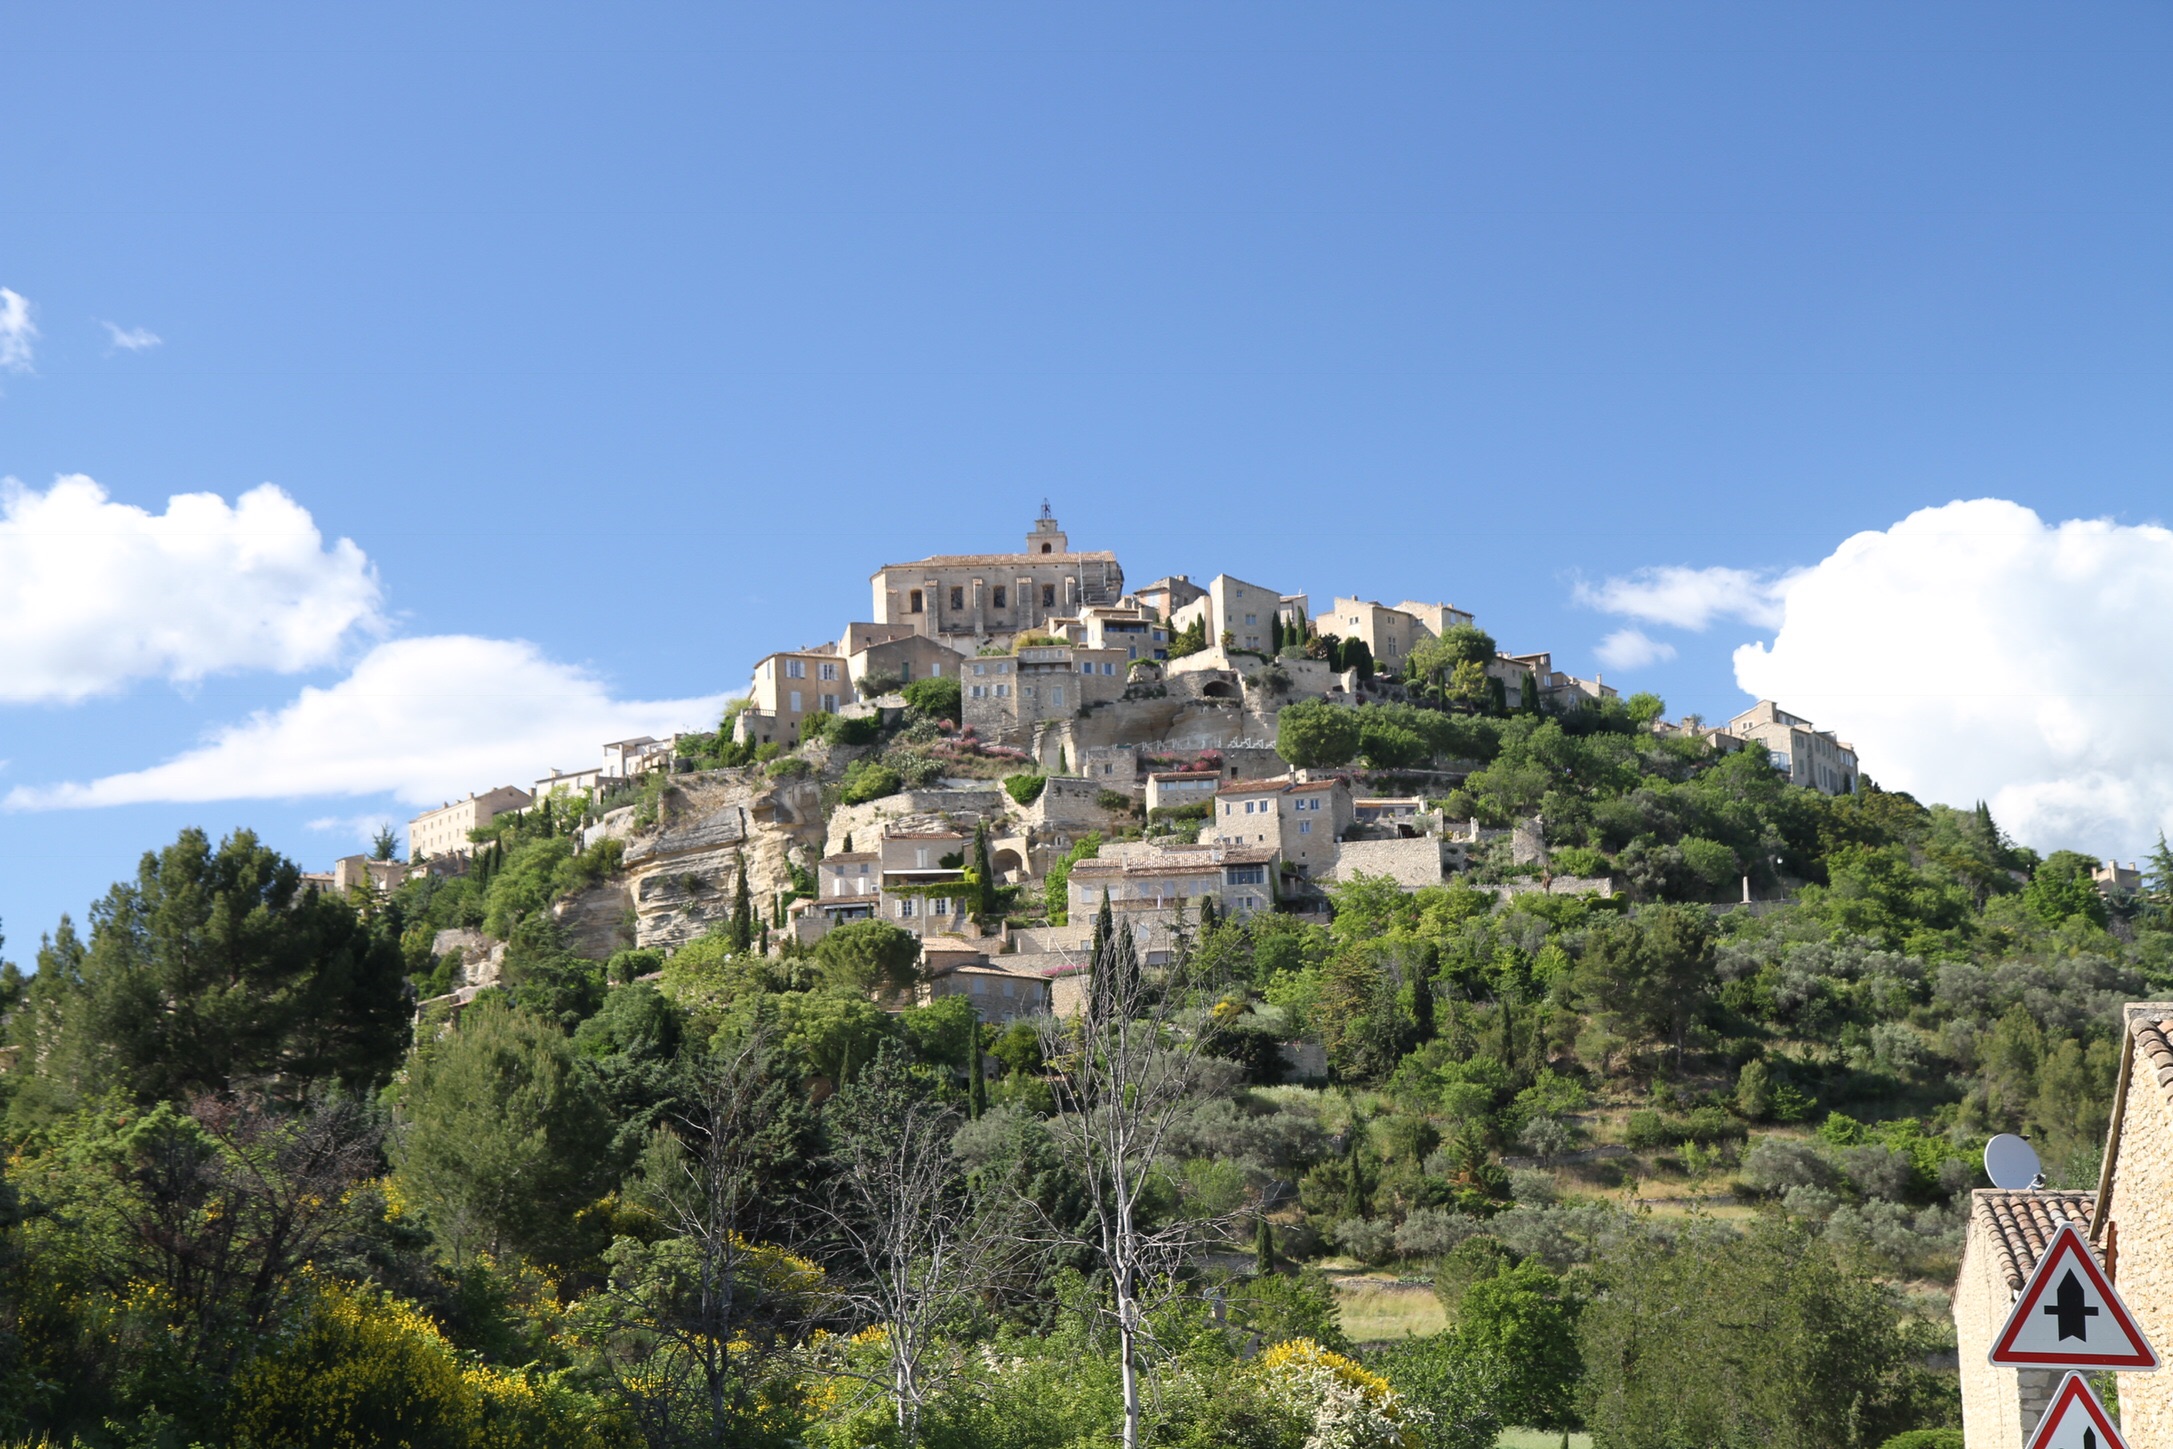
column 1578, row 860
column 1113, row 800
column 936, row 698
column 867, row 780
column 1025, row 789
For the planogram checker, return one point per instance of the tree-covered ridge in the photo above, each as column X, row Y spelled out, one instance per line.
column 750, row 1194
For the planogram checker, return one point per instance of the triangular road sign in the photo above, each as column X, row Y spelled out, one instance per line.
column 2076, row 1420
column 2069, row 1316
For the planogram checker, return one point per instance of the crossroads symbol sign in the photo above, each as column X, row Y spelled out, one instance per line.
column 2068, row 1316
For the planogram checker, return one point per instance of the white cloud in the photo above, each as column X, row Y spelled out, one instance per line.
column 95, row 593
column 17, row 331
column 1688, row 598
column 1972, row 651
column 1632, row 649
column 133, row 339
column 425, row 719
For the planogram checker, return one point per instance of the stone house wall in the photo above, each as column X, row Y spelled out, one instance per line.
column 2133, row 1226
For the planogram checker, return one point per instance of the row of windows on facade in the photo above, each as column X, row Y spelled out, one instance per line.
column 829, row 702
column 999, row 598
column 827, row 670
column 1267, row 807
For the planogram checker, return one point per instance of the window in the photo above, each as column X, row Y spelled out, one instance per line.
column 1108, row 668
column 980, row 669
column 934, row 670
column 1246, row 874
column 913, row 601
column 958, row 597
column 1132, row 652
column 999, row 596
column 1056, row 696
column 905, row 907
column 1003, row 691
column 940, row 906
column 905, row 671
column 1248, row 807
column 1087, row 668
column 1305, row 827
column 1252, row 618
column 795, row 701
column 978, row 691
column 1048, row 596
column 795, row 669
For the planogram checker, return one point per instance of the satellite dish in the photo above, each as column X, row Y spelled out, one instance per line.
column 2011, row 1163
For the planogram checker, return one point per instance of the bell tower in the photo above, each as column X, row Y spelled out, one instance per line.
column 1047, row 536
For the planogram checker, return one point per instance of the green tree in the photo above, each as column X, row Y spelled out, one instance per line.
column 503, row 1136
column 384, row 845
column 2061, row 889
column 1314, row 734
column 861, row 958
column 1762, row 1339
column 1644, row 707
column 1521, row 1319
column 742, row 929
column 215, row 968
column 1650, row 975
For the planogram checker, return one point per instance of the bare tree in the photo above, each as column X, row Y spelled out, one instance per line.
column 1128, row 1069
column 917, row 1244
column 692, row 1325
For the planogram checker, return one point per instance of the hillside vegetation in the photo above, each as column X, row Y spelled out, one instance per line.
column 1674, row 1170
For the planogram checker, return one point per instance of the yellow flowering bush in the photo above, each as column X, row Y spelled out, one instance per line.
column 1349, row 1406
column 361, row 1369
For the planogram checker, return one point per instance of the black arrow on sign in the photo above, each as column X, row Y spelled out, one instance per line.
column 2070, row 1307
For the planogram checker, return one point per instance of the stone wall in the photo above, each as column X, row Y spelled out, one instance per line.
column 2137, row 1214
column 1410, row 863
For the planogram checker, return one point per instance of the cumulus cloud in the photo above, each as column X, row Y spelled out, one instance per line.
column 1688, row 598
column 17, row 331
column 94, row 594
column 1974, row 651
column 1632, row 649
column 133, row 339
column 426, row 719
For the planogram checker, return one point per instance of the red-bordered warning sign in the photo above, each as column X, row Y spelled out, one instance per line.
column 2069, row 1316
column 2076, row 1420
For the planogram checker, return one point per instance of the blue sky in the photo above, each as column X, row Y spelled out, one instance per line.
column 644, row 338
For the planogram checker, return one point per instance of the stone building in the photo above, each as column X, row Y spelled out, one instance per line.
column 1239, row 614
column 1146, row 883
column 966, row 599
column 788, row 687
column 2132, row 1225
column 1390, row 634
column 1300, row 819
column 2008, row 1232
column 1175, row 789
column 1808, row 756
column 444, row 831
column 1165, row 596
column 903, row 660
column 1004, row 696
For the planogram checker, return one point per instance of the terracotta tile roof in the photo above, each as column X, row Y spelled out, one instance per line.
column 2019, row 1224
column 2152, row 1046
column 848, row 857
column 991, row 560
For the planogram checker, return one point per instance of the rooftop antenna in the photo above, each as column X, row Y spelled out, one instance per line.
column 2012, row 1164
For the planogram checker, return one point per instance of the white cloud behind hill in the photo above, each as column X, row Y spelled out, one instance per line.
column 1974, row 651
column 426, row 719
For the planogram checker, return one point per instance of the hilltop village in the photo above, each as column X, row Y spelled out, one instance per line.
column 1011, row 738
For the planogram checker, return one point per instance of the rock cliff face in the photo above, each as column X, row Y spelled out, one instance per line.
column 682, row 874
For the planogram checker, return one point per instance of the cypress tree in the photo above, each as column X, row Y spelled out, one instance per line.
column 765, row 938
column 1354, row 1190
column 743, row 911
column 1098, row 963
column 985, row 899
column 1263, row 1250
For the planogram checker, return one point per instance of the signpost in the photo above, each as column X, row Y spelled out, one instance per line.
column 2069, row 1317
column 2076, row 1420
